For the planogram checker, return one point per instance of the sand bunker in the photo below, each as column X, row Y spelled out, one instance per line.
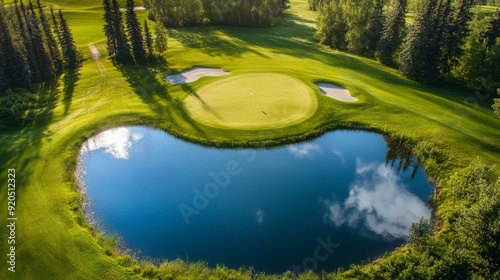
column 194, row 74
column 138, row 8
column 336, row 92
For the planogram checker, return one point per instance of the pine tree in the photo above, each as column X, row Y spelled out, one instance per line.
column 134, row 32
column 392, row 35
column 55, row 54
column 16, row 67
column 55, row 25
column 28, row 50
column 455, row 34
column 42, row 56
column 375, row 26
column 123, row 53
column 70, row 53
column 493, row 31
column 109, row 29
column 160, row 42
column 148, row 39
column 418, row 59
column 5, row 39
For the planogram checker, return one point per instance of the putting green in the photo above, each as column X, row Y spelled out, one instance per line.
column 277, row 101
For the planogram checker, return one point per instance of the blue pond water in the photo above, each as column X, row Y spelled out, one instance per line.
column 319, row 205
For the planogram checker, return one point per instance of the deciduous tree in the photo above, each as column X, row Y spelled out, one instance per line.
column 332, row 28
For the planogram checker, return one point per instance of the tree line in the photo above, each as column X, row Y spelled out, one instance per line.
column 129, row 42
column 34, row 49
column 245, row 13
column 446, row 39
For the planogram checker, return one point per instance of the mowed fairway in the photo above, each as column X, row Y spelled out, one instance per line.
column 441, row 123
column 277, row 101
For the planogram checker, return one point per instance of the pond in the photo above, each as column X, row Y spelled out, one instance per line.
column 341, row 199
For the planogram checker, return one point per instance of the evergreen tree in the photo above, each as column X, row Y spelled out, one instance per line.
column 148, row 39
column 109, row 30
column 160, row 42
column 55, row 25
column 55, row 54
column 493, row 30
column 471, row 64
column 135, row 32
column 15, row 64
column 5, row 39
column 453, row 38
column 331, row 25
column 375, row 26
column 392, row 35
column 123, row 53
column 28, row 50
column 4, row 80
column 418, row 59
column 72, row 57
column 42, row 56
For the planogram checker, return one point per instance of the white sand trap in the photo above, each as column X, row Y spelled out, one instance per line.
column 336, row 92
column 94, row 51
column 138, row 8
column 194, row 74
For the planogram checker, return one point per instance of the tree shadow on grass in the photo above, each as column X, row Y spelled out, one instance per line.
column 147, row 83
column 70, row 78
column 188, row 89
column 21, row 139
column 212, row 41
column 144, row 81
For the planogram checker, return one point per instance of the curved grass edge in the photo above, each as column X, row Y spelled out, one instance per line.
column 144, row 267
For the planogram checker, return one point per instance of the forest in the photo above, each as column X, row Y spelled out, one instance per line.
column 33, row 50
column 447, row 39
column 252, row 13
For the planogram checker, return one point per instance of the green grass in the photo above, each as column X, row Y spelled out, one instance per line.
column 52, row 240
column 278, row 101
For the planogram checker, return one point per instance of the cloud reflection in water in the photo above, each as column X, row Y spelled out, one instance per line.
column 116, row 142
column 306, row 150
column 378, row 203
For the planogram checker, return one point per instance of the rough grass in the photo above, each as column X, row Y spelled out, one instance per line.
column 277, row 101
column 444, row 124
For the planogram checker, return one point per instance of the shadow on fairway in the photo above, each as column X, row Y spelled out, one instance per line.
column 70, row 79
column 211, row 40
column 147, row 83
column 143, row 80
column 21, row 140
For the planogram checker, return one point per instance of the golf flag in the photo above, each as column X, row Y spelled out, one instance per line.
column 251, row 93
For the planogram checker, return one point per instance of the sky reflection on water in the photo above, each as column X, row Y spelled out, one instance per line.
column 353, row 187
